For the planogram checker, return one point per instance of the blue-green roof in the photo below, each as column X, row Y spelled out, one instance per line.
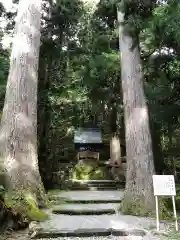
column 88, row 135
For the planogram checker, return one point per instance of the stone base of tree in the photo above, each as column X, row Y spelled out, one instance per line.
column 136, row 206
column 25, row 204
column 10, row 219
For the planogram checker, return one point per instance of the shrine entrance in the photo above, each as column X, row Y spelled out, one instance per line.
column 88, row 142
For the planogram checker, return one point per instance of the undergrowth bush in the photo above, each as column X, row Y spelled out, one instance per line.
column 87, row 172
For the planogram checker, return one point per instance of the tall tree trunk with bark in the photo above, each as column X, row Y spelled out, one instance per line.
column 18, row 136
column 138, row 198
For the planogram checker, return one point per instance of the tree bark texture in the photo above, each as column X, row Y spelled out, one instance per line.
column 18, row 136
column 140, row 166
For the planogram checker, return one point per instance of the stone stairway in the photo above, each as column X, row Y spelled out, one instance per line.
column 94, row 185
column 90, row 213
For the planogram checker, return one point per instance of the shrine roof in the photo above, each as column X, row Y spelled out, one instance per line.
column 88, row 135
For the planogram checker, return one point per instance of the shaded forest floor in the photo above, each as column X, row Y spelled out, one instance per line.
column 59, row 221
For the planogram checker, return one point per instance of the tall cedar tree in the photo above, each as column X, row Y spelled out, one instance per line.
column 18, row 136
column 138, row 197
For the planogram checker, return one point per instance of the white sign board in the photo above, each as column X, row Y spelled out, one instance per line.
column 164, row 185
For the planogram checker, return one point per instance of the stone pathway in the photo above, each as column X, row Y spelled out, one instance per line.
column 116, row 224
column 84, row 207
column 77, row 196
column 91, row 220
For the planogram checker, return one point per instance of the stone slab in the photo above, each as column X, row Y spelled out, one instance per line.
column 92, row 181
column 102, row 224
column 84, row 207
column 91, row 195
column 105, row 238
column 115, row 221
column 89, row 233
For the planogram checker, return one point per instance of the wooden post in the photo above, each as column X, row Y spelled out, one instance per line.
column 78, row 156
column 175, row 214
column 157, row 213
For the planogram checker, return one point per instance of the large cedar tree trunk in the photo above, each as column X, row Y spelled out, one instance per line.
column 18, row 136
column 138, row 197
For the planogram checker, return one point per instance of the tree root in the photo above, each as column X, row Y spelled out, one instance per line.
column 10, row 219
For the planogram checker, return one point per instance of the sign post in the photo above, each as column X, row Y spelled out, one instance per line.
column 164, row 185
column 157, row 213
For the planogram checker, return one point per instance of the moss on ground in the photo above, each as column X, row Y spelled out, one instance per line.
column 165, row 207
column 137, row 208
column 88, row 172
column 33, row 211
column 2, row 237
column 134, row 207
column 56, row 201
column 25, row 203
column 173, row 235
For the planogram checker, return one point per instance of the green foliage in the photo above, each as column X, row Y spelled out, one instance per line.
column 2, row 192
column 53, row 198
column 4, row 69
column 136, row 13
column 2, row 9
column 68, row 12
column 173, row 235
column 165, row 24
column 135, row 207
column 84, row 74
column 79, row 76
column 25, row 203
column 87, row 172
column 33, row 211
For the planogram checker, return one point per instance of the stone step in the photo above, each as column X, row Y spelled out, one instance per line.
column 118, row 186
column 96, row 182
column 86, row 209
column 94, row 232
column 85, row 212
column 109, row 237
column 89, row 226
column 102, row 188
column 113, row 196
column 58, row 201
column 93, row 187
